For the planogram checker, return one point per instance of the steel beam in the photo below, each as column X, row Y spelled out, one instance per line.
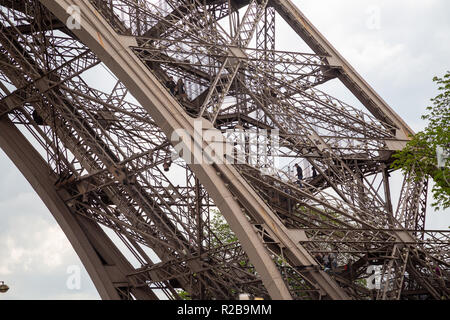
column 104, row 263
column 108, row 154
column 348, row 75
column 114, row 50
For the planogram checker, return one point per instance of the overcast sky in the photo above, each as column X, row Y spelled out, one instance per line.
column 397, row 46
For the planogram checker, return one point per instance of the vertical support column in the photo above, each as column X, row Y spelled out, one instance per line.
column 412, row 204
column 198, row 211
column 265, row 41
column 265, row 34
column 387, row 195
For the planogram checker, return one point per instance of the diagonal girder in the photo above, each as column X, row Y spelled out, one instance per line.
column 230, row 67
column 332, row 290
column 111, row 158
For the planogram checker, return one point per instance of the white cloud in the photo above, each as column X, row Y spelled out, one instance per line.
column 32, row 242
column 400, row 59
column 34, row 252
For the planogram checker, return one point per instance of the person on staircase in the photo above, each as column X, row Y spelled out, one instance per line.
column 299, row 175
column 314, row 172
column 170, row 84
column 180, row 90
column 333, row 261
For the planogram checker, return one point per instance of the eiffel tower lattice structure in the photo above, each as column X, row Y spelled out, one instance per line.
column 98, row 96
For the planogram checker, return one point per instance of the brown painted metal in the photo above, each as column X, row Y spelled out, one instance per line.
column 108, row 159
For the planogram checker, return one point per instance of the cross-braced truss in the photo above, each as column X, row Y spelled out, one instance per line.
column 102, row 159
